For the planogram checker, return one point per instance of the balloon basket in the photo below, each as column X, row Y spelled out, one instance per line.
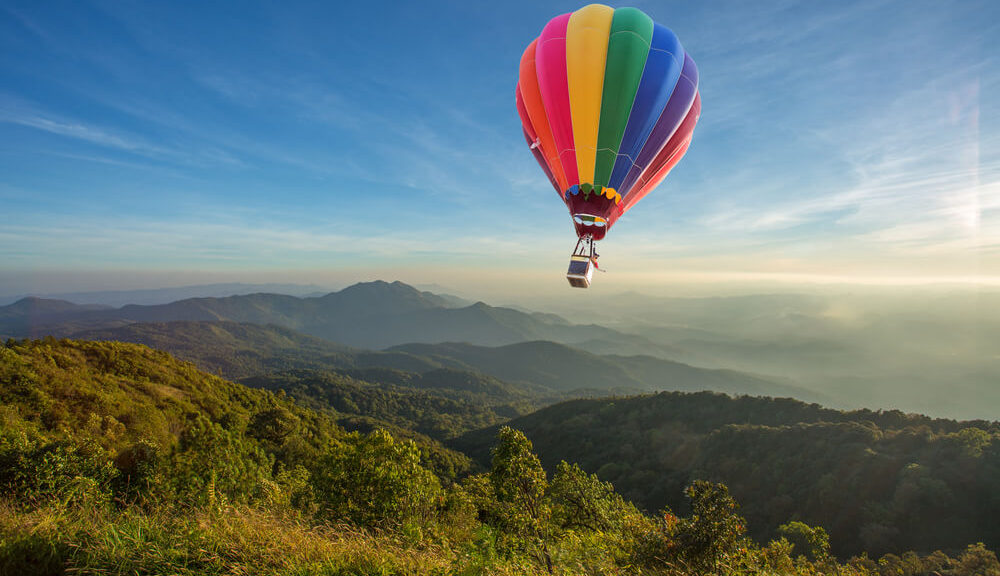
column 582, row 263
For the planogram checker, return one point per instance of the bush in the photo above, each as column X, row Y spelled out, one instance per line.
column 213, row 465
column 711, row 536
column 375, row 480
column 69, row 469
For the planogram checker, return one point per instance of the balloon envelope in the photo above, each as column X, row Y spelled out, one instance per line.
column 608, row 100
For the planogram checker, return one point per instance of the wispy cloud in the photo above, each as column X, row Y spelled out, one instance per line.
column 88, row 133
column 230, row 239
column 419, row 143
column 915, row 175
column 190, row 154
column 28, row 23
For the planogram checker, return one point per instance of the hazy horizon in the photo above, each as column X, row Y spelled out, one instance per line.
column 487, row 283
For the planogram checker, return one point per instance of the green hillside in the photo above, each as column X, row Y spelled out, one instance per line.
column 131, row 394
column 118, row 459
column 877, row 481
column 231, row 349
column 443, row 414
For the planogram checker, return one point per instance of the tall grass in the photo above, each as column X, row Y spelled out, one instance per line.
column 229, row 541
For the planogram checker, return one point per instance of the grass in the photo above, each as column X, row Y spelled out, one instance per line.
column 229, row 541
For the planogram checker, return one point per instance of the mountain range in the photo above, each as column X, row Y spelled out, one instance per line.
column 368, row 315
column 116, row 298
column 248, row 335
column 545, row 371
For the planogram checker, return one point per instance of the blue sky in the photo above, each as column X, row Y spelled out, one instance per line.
column 147, row 144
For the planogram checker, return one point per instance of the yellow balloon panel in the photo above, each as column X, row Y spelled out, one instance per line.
column 586, row 54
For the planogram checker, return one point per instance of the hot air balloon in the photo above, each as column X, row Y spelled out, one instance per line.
column 608, row 100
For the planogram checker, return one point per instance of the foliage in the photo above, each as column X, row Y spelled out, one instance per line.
column 213, row 465
column 876, row 481
column 273, row 426
column 407, row 404
column 582, row 502
column 519, row 483
column 438, row 413
column 65, row 469
column 119, row 394
column 811, row 542
column 978, row 560
column 712, row 534
column 376, row 480
column 219, row 479
column 519, row 488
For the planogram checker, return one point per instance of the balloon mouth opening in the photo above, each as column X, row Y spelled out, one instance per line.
column 589, row 225
column 590, row 220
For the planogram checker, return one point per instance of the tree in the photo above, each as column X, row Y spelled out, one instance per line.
column 582, row 502
column 977, row 560
column 519, row 484
column 69, row 468
column 376, row 480
column 711, row 535
column 273, row 425
column 813, row 543
column 212, row 464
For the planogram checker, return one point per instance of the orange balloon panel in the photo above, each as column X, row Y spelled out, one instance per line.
column 532, row 97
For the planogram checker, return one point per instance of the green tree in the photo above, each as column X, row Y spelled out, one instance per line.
column 212, row 465
column 140, row 471
column 68, row 468
column 519, row 483
column 977, row 560
column 273, row 425
column 376, row 480
column 581, row 501
column 813, row 543
column 711, row 535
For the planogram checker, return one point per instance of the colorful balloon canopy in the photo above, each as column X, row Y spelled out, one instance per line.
column 608, row 100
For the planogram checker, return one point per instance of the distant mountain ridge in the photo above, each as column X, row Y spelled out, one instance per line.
column 118, row 298
column 20, row 318
column 560, row 367
column 32, row 306
column 241, row 336
column 367, row 315
column 543, row 370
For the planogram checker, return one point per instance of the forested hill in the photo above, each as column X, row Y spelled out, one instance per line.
column 115, row 458
column 877, row 481
column 234, row 350
column 129, row 397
